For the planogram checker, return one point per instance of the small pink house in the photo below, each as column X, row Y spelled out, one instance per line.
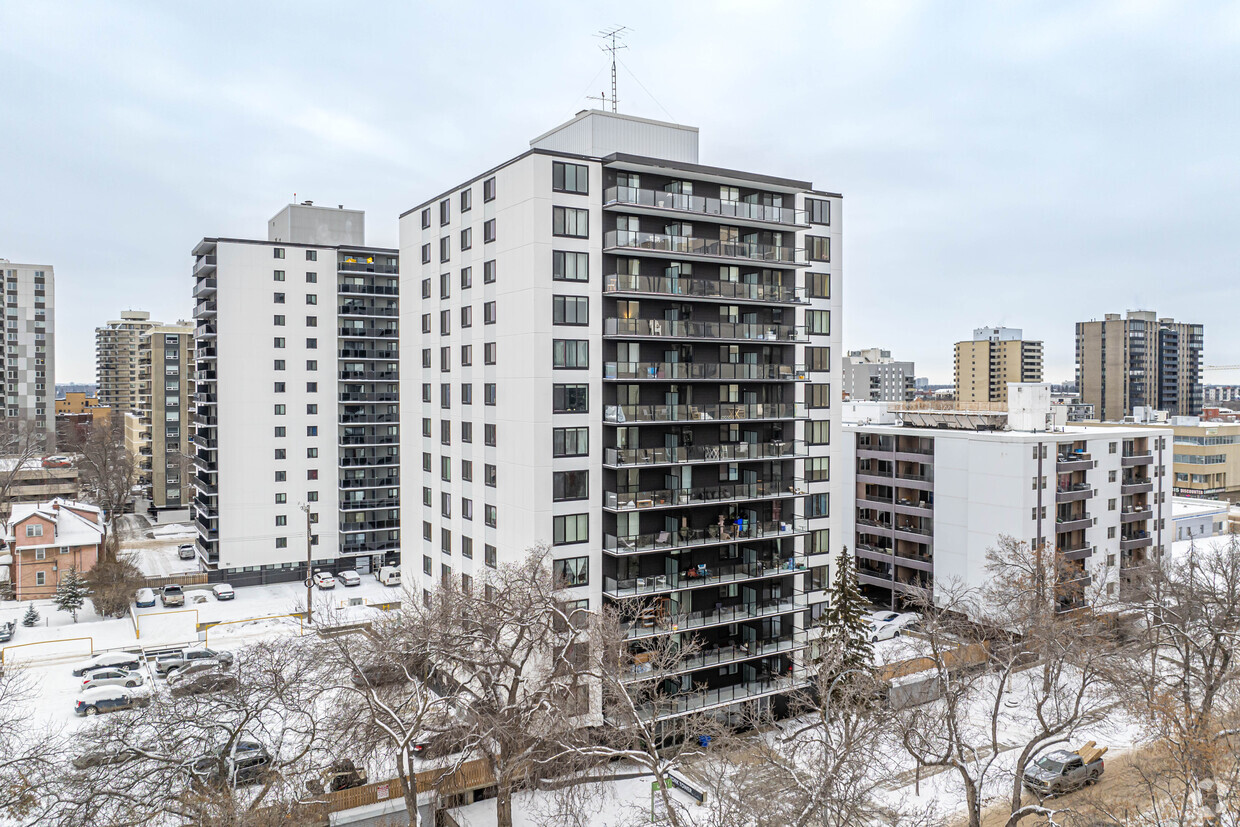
column 45, row 540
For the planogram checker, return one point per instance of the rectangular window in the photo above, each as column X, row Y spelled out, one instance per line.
column 488, row 313
column 426, row 322
column 278, row 298
column 445, row 285
column 490, row 515
column 426, row 218
column 279, row 364
column 281, row 542
column 570, row 353
column 488, row 272
column 445, row 249
column 818, row 285
column 818, row 395
column 467, row 432
column 445, row 469
column 573, row 178
column 312, row 255
column 489, row 434
column 488, row 231
column 426, row 357
column 467, row 508
column 426, row 253
column 816, row 505
column 818, row 322
column 488, row 393
column 279, row 409
column 818, row 432
column 467, row 278
column 279, row 387
column 570, row 485
column 467, row 467
column 819, row 211
column 445, row 322
column 467, row 200
column 488, row 353
column 467, row 355
column 312, row 321
column 312, row 298
column 489, row 555
column 278, row 275
column 278, row 341
column 570, row 310
column 569, row 529
column 445, row 505
column 467, row 393
column 277, row 320
column 570, row 442
column 445, row 396
column 570, row 222
column 817, row 469
column 467, row 316
column 819, row 248
column 566, row 266
column 278, row 252
column 426, row 288
column 488, row 189
column 573, row 571
column 281, row 499
column 445, row 212
column 818, row 358
column 467, row 238
column 279, row 431
column 312, row 344
column 570, row 399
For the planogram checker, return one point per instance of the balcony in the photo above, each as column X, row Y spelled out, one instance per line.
column 1131, row 460
column 204, row 264
column 1134, row 515
column 387, row 396
column 1135, row 540
column 202, row 309
column 727, row 411
column 368, row 462
column 687, row 538
column 369, row 289
column 652, row 623
column 881, row 554
column 359, row 264
column 204, row 287
column 362, row 309
column 205, row 331
column 704, row 371
column 656, row 201
column 367, row 332
column 731, row 654
column 1079, row 461
column 678, row 246
column 370, row 482
column 369, row 439
column 675, row 705
column 733, row 452
column 714, row 331
column 1135, row 485
column 703, row 495
column 1074, row 493
column 691, row 288
column 714, row 576
column 1079, row 523
column 1079, row 552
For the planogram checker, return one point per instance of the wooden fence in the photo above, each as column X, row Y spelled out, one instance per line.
column 470, row 776
column 191, row 578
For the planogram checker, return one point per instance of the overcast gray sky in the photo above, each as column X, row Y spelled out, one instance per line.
column 1025, row 164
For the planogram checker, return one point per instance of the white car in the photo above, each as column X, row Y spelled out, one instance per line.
column 223, row 591
column 881, row 631
column 110, row 677
column 107, row 660
column 886, row 625
column 349, row 578
column 324, row 580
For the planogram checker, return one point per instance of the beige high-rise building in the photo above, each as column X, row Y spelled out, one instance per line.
column 993, row 358
column 158, row 430
column 1139, row 360
column 116, row 359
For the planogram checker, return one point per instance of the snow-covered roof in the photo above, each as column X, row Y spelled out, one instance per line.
column 1193, row 506
column 72, row 529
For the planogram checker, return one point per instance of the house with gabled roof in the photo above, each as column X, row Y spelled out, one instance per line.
column 44, row 540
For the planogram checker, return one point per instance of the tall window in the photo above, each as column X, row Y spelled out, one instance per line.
column 819, row 395
column 818, row 358
column 573, row 223
column 488, row 231
column 818, row 322
column 818, row 432
column 488, row 272
column 488, row 189
column 819, row 211
column 817, row 469
column 570, row 178
column 445, row 211
column 567, row 266
column 819, row 248
column 467, row 200
column 467, row 238
column 818, row 285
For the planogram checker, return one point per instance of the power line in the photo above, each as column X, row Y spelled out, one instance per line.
column 647, row 91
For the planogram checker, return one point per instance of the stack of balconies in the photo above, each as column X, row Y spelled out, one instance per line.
column 894, row 543
column 368, row 396
column 702, row 471
column 204, row 508
column 1137, row 510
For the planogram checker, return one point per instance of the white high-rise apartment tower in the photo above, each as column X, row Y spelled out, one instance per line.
column 631, row 358
column 30, row 346
column 296, row 399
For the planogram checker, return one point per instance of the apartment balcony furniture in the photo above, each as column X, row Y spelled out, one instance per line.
column 1066, row 463
column 704, row 289
column 692, row 247
column 725, row 411
column 617, row 328
column 723, row 533
column 1074, row 493
column 701, row 495
column 700, row 576
column 700, row 454
column 704, row 371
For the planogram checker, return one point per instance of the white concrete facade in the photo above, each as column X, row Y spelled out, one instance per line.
column 297, row 406
column 500, row 332
column 30, row 346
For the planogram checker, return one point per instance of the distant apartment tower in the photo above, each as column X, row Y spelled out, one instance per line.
column 626, row 356
column 116, row 360
column 158, row 431
column 993, row 358
column 1139, row 360
column 926, row 494
column 30, row 347
column 872, row 375
column 297, row 398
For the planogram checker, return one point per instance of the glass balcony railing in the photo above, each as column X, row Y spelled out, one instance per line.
column 704, row 330
column 719, row 371
column 656, row 624
column 704, row 288
column 622, row 414
column 743, row 210
column 730, row 654
column 693, row 701
column 712, row 534
column 692, row 245
column 701, row 576
column 733, row 452
column 634, row 500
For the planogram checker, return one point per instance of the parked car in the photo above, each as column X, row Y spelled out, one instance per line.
column 201, row 683
column 247, row 763
column 7, row 630
column 349, row 578
column 341, row 775
column 145, row 598
column 186, row 551
column 57, row 462
column 103, row 758
column 379, row 674
column 110, row 677
column 901, row 620
column 1062, row 771
column 165, row 664
column 881, row 631
column 388, row 575
column 172, row 595
column 324, row 580
column 223, row 591
column 187, row 671
column 107, row 660
column 109, row 699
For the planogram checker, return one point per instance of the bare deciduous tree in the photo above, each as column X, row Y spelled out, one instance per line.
column 108, row 471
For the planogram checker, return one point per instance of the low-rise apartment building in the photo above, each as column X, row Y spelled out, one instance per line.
column 872, row 375
column 928, row 493
column 44, row 540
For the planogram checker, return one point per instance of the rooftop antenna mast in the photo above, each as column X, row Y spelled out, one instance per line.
column 611, row 37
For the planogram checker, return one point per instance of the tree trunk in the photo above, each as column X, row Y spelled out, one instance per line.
column 503, row 806
column 409, row 783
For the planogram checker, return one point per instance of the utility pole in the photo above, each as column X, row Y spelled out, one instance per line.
column 609, row 36
column 309, row 574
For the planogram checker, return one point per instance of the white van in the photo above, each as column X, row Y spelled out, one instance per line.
column 389, row 576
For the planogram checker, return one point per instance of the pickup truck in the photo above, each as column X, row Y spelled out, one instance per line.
column 1062, row 771
column 167, row 664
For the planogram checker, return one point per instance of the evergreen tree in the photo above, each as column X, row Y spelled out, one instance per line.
column 31, row 617
column 845, row 633
column 71, row 592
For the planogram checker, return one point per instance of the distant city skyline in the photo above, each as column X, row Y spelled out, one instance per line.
column 1013, row 165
